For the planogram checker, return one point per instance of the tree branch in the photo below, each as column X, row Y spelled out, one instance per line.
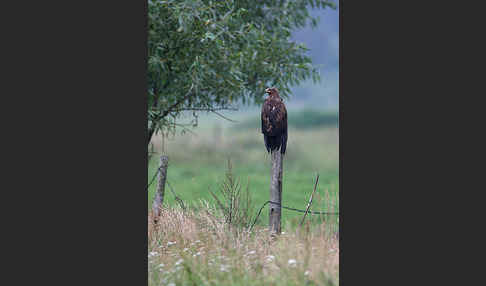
column 160, row 116
column 206, row 109
column 170, row 109
column 222, row 116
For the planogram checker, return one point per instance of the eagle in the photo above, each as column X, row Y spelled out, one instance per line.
column 274, row 121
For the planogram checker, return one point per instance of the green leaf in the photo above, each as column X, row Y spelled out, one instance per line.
column 224, row 52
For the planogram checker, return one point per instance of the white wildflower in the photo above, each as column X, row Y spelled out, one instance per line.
column 171, row 243
column 307, row 273
column 224, row 268
column 251, row 252
column 153, row 253
column 292, row 262
column 161, row 265
column 269, row 258
column 179, row 261
column 197, row 254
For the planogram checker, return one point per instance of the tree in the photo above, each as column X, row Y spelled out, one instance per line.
column 210, row 55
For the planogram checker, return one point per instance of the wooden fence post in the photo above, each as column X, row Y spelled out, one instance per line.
column 276, row 192
column 159, row 194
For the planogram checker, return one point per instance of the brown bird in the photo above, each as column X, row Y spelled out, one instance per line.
column 274, row 121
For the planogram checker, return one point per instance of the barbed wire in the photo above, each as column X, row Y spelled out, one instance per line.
column 179, row 200
column 153, row 178
column 288, row 208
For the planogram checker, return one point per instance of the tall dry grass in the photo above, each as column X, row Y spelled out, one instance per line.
column 196, row 247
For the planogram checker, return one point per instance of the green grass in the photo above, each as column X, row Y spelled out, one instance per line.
column 198, row 162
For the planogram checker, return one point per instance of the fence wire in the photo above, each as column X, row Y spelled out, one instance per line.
column 179, row 200
column 290, row 209
column 153, row 178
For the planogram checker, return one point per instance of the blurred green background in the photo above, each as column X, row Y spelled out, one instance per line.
column 198, row 161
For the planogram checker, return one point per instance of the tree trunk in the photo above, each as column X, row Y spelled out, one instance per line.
column 150, row 134
column 276, row 192
column 159, row 194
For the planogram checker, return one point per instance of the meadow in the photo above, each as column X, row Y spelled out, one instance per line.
column 198, row 162
column 197, row 247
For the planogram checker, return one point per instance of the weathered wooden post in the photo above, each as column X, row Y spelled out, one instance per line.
column 159, row 194
column 276, row 192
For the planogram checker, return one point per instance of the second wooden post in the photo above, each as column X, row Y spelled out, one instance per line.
column 159, row 194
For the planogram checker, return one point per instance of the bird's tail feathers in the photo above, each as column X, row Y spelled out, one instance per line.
column 273, row 143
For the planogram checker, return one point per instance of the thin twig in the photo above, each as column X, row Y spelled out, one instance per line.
column 185, row 129
column 310, row 201
column 221, row 115
column 258, row 215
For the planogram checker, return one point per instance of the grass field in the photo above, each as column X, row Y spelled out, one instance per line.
column 199, row 247
column 198, row 162
column 195, row 248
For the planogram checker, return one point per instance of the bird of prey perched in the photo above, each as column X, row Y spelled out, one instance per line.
column 274, row 121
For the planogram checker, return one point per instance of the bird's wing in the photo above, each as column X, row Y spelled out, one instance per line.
column 263, row 117
column 278, row 116
column 267, row 125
